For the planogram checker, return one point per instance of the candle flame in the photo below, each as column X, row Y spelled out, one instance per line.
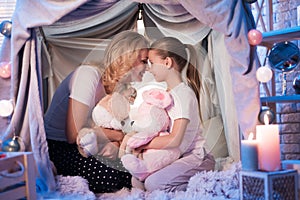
column 266, row 119
column 251, row 136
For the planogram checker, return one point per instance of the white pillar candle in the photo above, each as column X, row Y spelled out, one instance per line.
column 268, row 147
column 249, row 154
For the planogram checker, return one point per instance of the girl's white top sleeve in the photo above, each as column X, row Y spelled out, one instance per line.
column 186, row 106
column 84, row 84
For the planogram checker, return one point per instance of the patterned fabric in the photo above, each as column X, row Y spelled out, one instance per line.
column 103, row 175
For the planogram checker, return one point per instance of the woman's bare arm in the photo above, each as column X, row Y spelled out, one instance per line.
column 77, row 116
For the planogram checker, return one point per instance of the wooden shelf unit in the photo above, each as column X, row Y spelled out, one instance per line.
column 269, row 39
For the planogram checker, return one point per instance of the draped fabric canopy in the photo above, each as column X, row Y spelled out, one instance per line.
column 51, row 38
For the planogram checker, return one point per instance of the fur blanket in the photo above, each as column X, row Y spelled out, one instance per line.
column 213, row 185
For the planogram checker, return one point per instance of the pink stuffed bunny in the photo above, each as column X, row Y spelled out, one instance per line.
column 150, row 121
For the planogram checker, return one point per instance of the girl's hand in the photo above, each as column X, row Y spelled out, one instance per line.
column 110, row 150
column 138, row 152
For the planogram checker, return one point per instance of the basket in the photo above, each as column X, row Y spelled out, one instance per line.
column 279, row 185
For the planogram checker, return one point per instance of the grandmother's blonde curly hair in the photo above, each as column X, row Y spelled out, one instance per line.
column 119, row 57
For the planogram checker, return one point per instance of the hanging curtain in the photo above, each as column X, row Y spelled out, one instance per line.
column 173, row 20
column 103, row 24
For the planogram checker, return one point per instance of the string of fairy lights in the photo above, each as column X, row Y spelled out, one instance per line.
column 6, row 106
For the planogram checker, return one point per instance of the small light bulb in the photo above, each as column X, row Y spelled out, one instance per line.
column 6, row 108
column 264, row 74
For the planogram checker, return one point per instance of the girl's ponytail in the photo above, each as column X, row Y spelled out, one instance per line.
column 192, row 74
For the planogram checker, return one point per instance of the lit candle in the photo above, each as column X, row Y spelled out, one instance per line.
column 249, row 154
column 268, row 146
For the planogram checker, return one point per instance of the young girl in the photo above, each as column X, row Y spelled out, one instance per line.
column 168, row 62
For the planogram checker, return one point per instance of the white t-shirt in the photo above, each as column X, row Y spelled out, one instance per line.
column 84, row 84
column 186, row 106
column 80, row 85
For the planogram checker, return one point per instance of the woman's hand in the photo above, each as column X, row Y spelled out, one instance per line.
column 87, row 142
column 110, row 150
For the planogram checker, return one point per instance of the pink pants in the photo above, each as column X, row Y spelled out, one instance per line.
column 175, row 177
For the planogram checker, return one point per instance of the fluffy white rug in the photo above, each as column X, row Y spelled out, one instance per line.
column 70, row 187
column 212, row 185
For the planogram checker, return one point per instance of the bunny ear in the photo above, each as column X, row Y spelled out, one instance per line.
column 157, row 97
column 120, row 106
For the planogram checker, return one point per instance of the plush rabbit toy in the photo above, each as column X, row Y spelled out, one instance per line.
column 151, row 120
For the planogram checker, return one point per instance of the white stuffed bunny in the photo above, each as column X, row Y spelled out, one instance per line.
column 112, row 111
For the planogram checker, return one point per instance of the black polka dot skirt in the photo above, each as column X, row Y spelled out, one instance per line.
column 103, row 175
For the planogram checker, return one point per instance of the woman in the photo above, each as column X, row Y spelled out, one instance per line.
column 169, row 63
column 124, row 61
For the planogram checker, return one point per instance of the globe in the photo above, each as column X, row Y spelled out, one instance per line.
column 284, row 56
